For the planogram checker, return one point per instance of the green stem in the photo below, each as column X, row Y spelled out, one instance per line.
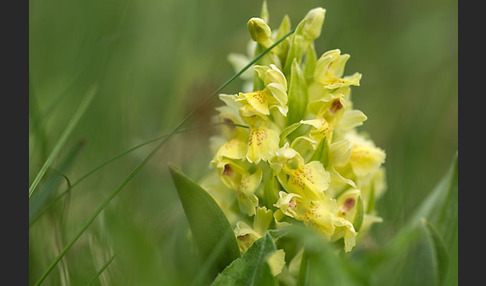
column 102, row 269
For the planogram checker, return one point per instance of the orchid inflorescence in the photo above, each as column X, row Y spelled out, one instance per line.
column 289, row 151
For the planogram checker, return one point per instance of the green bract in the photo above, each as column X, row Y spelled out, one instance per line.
column 289, row 151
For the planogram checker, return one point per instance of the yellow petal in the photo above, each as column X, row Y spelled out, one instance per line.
column 366, row 157
column 350, row 120
column 262, row 143
column 335, row 82
column 280, row 97
column 321, row 129
column 321, row 72
column 309, row 180
column 254, row 103
column 233, row 149
column 340, row 152
column 245, row 236
column 271, row 74
column 290, row 204
column 347, row 204
column 344, row 229
column 262, row 220
column 247, row 201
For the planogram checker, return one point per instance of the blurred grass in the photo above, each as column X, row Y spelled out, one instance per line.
column 153, row 61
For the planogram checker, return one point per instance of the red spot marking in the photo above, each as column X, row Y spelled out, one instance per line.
column 349, row 203
column 228, row 171
column 336, row 105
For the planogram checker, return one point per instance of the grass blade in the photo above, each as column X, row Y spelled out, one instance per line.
column 52, row 183
column 102, row 269
column 64, row 136
column 105, row 163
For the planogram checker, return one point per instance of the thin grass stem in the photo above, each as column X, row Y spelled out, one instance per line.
column 60, row 143
column 92, row 171
column 146, row 159
column 102, row 269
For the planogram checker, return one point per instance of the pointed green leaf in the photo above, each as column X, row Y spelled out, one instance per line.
column 322, row 153
column 435, row 206
column 284, row 28
column 408, row 260
column 296, row 47
column 310, row 63
column 207, row 221
column 441, row 254
column 297, row 94
column 358, row 220
column 420, row 254
column 285, row 133
column 252, row 268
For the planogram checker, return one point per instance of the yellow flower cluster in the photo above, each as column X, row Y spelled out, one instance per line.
column 288, row 149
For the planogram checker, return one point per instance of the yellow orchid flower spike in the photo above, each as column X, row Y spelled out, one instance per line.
column 288, row 150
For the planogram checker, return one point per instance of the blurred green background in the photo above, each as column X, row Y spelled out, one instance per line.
column 154, row 61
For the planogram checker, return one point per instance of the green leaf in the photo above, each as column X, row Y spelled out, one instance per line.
column 322, row 153
column 209, row 225
column 296, row 47
column 441, row 254
column 284, row 28
column 422, row 254
column 286, row 132
column 297, row 94
column 270, row 195
column 408, row 260
column 252, row 268
column 437, row 205
column 310, row 63
column 358, row 220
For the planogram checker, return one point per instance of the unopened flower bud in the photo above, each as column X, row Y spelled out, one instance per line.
column 260, row 32
column 313, row 23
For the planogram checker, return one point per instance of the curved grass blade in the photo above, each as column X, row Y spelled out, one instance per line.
column 34, row 124
column 60, row 143
column 252, row 268
column 52, row 182
column 209, row 225
column 149, row 156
